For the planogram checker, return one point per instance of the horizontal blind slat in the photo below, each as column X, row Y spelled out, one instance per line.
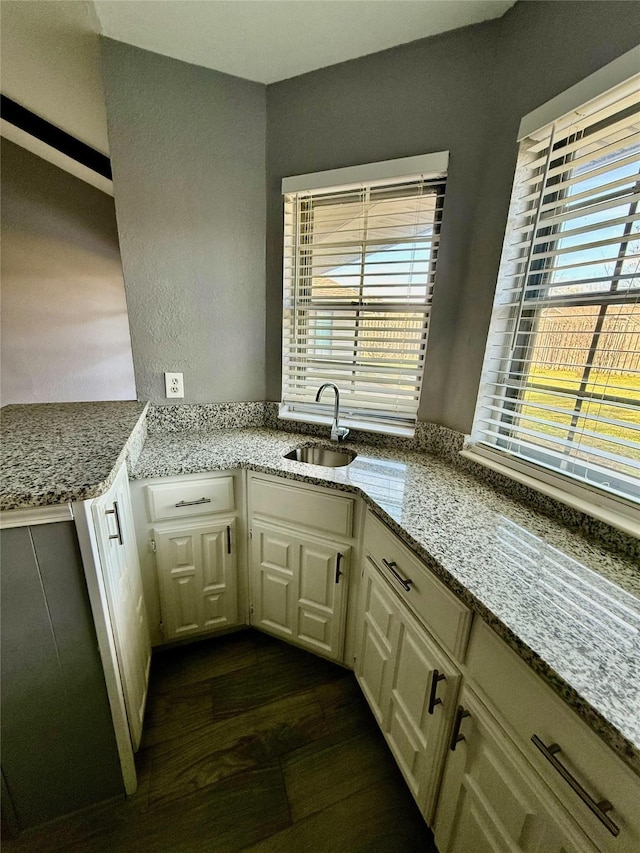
column 561, row 382
column 358, row 278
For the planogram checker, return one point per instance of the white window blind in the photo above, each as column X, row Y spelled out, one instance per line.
column 561, row 381
column 359, row 264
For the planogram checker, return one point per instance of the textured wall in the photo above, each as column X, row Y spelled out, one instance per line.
column 188, row 155
column 464, row 91
column 415, row 99
column 65, row 334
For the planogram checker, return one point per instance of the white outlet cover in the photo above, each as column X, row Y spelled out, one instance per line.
column 174, row 385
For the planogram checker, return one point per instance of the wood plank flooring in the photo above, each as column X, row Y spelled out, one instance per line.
column 250, row 744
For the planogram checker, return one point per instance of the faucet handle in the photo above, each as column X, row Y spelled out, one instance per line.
column 339, row 433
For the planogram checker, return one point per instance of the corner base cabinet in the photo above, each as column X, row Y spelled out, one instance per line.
column 298, row 588
column 301, row 550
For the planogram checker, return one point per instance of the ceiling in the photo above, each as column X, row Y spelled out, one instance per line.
column 50, row 57
column 271, row 40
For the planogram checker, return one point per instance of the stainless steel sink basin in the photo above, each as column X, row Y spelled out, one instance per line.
column 326, row 456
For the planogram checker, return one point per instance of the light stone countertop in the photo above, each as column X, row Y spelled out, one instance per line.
column 569, row 607
column 55, row 453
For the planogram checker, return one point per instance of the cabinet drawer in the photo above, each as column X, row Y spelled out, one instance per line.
column 300, row 505
column 529, row 708
column 192, row 497
column 445, row 616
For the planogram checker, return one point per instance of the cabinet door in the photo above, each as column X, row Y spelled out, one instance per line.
column 409, row 683
column 379, row 630
column 113, row 520
column 422, row 703
column 492, row 800
column 197, row 577
column 298, row 585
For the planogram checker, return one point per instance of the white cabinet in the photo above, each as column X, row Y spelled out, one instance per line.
column 520, row 771
column 197, row 577
column 447, row 618
column 300, row 554
column 113, row 520
column 591, row 783
column 379, row 630
column 298, row 585
column 192, row 545
column 409, row 682
column 491, row 800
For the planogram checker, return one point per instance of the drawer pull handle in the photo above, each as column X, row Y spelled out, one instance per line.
column 392, row 566
column 599, row 809
column 115, row 512
column 435, row 680
column 456, row 737
column 194, row 503
column 338, row 570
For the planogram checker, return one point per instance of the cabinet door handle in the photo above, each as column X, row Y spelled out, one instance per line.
column 456, row 737
column 405, row 583
column 115, row 512
column 338, row 564
column 599, row 809
column 228, row 539
column 194, row 503
column 435, row 679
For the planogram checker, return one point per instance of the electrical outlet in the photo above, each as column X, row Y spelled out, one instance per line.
column 174, row 385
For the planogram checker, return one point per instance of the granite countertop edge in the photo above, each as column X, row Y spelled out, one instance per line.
column 130, row 453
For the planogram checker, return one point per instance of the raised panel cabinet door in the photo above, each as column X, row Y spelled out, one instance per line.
column 219, row 577
column 492, row 800
column 274, row 582
column 113, row 521
column 197, row 577
column 322, row 574
column 378, row 634
column 297, row 586
column 422, row 704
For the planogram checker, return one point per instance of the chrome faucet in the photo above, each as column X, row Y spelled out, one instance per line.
column 338, row 433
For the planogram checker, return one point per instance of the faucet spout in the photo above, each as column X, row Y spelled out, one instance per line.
column 338, row 433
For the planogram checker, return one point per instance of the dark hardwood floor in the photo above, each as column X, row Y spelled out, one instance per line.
column 251, row 745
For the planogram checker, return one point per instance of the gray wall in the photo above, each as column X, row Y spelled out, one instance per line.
column 188, row 155
column 59, row 750
column 464, row 91
column 65, row 333
column 572, row 40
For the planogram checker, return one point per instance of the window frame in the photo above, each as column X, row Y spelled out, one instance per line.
column 388, row 177
column 532, row 466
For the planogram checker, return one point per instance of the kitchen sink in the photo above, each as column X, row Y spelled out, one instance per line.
column 327, row 456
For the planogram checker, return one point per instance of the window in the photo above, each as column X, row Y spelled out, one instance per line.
column 561, row 380
column 359, row 266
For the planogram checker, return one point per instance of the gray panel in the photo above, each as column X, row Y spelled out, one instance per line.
column 91, row 742
column 188, row 154
column 49, row 692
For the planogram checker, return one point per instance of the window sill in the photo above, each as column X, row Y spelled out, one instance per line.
column 619, row 514
column 351, row 423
